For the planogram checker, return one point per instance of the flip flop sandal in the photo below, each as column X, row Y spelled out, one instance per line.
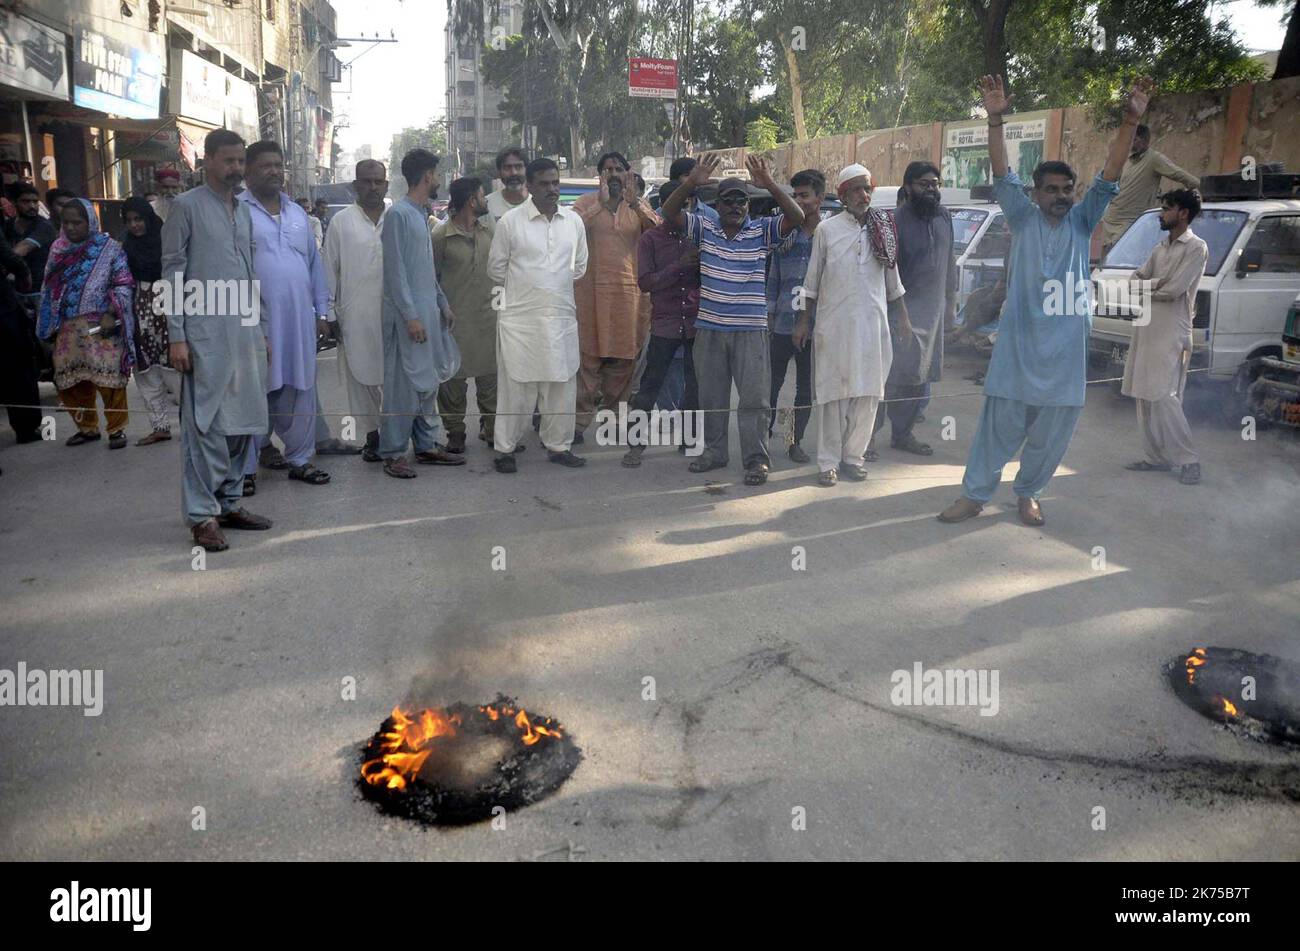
column 250, row 486
column 398, row 469
column 756, row 476
column 309, row 474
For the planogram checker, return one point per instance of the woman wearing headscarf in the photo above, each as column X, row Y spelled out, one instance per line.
column 143, row 245
column 86, row 308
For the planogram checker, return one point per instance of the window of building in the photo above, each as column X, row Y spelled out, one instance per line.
column 465, row 124
column 466, row 88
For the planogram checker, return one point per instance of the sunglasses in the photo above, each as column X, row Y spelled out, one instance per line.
column 733, row 200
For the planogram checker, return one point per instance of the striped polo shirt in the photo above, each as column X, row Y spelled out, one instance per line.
column 733, row 289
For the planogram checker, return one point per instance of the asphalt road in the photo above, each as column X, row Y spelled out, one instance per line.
column 772, row 686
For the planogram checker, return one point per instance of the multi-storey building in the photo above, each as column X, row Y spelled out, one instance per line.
column 476, row 130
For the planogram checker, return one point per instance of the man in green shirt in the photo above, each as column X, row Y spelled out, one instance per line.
column 460, row 254
column 1139, row 186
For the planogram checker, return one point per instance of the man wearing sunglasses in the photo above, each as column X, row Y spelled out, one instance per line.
column 731, row 336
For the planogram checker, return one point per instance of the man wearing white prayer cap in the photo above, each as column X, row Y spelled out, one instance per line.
column 852, row 276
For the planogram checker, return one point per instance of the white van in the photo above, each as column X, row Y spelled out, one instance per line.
column 981, row 240
column 1251, row 277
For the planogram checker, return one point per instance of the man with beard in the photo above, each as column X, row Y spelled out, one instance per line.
column 354, row 269
column 461, row 245
column 168, row 181
column 1155, row 370
column 609, row 300
column 852, row 278
column 208, row 237
column 928, row 269
column 29, row 233
column 513, row 193
column 295, row 302
column 420, row 353
column 1037, row 377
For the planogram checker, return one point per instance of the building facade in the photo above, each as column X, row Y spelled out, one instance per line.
column 476, row 130
column 98, row 95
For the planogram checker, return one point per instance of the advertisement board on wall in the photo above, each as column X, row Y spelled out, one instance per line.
column 966, row 150
column 115, row 74
column 33, row 57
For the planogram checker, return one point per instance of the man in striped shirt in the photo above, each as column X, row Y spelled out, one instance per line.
column 731, row 340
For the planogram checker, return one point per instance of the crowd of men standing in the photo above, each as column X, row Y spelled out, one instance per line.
column 556, row 313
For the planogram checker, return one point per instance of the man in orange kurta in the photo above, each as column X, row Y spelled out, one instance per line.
column 607, row 296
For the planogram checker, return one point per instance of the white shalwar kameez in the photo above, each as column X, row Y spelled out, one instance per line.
column 852, row 352
column 537, row 260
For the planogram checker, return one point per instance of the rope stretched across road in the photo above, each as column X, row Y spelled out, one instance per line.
column 733, row 409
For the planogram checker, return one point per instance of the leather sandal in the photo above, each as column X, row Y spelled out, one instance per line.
column 399, row 469
column 961, row 510
column 436, row 457
column 245, row 520
column 208, row 535
column 1031, row 513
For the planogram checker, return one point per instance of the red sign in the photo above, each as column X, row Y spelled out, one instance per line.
column 653, row 78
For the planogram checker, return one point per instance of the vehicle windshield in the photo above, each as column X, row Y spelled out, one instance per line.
column 1218, row 228
column 965, row 222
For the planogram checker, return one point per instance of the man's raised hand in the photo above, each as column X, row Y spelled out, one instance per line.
column 993, row 95
column 704, row 170
column 1139, row 95
column 758, row 172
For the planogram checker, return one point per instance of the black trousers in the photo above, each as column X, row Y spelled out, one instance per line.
column 658, row 359
column 18, row 374
column 783, row 349
column 902, row 416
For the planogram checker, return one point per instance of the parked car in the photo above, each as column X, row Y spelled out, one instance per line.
column 1251, row 278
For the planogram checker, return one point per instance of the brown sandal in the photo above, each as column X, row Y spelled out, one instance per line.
column 398, row 469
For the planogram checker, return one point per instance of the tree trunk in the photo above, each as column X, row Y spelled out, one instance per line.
column 1288, row 58
column 992, row 19
column 796, row 87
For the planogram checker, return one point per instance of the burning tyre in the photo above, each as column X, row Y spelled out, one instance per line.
column 453, row 766
column 1255, row 695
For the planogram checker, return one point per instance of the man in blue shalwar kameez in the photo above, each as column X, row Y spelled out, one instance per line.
column 420, row 353
column 1034, row 389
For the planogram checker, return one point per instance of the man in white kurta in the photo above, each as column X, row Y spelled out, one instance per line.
column 1155, row 370
column 847, row 289
column 538, row 250
column 354, row 268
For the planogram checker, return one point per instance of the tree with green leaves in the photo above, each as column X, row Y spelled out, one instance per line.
column 432, row 136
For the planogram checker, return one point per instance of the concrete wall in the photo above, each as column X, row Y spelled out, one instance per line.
column 1204, row 132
